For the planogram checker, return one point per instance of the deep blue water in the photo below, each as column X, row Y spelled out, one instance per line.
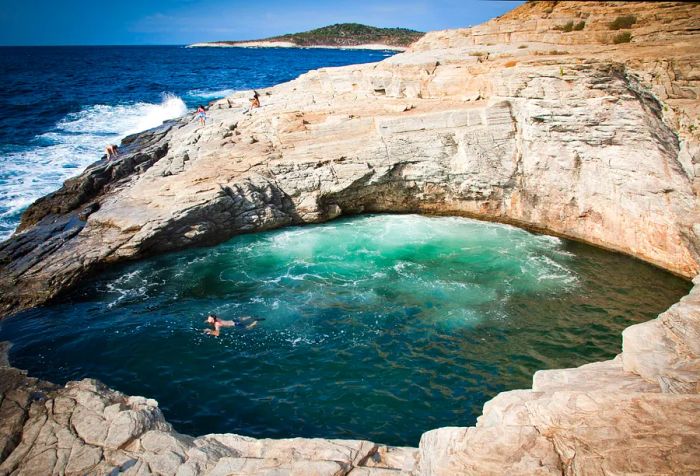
column 62, row 105
column 377, row 327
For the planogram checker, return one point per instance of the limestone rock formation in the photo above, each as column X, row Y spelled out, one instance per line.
column 87, row 428
column 516, row 120
column 595, row 142
column 599, row 418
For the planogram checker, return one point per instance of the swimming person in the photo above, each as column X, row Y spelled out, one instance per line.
column 112, row 151
column 218, row 323
column 201, row 114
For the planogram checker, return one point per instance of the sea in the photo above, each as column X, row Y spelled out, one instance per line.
column 62, row 105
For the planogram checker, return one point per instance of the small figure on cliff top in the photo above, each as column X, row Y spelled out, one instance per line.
column 201, row 114
column 255, row 100
column 112, row 151
column 218, row 323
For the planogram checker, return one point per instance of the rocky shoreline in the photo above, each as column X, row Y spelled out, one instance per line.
column 349, row 36
column 516, row 120
column 288, row 44
column 635, row 414
column 458, row 125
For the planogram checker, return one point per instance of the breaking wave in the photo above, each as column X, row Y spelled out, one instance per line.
column 76, row 141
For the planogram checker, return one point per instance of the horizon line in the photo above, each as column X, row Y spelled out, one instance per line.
column 95, row 44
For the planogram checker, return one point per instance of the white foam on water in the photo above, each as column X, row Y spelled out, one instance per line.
column 545, row 269
column 78, row 140
column 210, row 95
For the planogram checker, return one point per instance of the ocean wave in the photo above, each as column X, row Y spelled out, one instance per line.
column 78, row 140
column 210, row 95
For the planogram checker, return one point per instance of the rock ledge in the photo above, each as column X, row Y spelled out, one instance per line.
column 515, row 120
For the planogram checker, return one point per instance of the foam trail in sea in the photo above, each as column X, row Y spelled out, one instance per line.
column 76, row 141
column 210, row 95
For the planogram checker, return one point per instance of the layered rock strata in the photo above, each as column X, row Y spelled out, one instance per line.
column 515, row 120
column 598, row 144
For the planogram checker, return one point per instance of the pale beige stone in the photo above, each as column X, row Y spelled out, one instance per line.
column 164, row 462
column 125, row 426
column 272, row 467
column 571, row 135
column 498, row 450
column 508, row 409
column 606, row 376
column 89, row 426
column 604, row 433
column 351, row 452
column 373, row 471
column 394, row 457
column 82, row 459
column 664, row 350
column 158, row 441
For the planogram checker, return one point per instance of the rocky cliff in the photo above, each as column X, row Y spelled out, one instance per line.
column 513, row 121
column 546, row 117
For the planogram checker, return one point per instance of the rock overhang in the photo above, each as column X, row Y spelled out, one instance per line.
column 571, row 136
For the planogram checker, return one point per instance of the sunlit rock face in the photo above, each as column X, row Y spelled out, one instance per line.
column 594, row 144
column 573, row 134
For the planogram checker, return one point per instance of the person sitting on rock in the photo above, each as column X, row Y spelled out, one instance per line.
column 255, row 101
column 112, row 151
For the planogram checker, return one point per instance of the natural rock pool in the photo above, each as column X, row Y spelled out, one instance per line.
column 377, row 327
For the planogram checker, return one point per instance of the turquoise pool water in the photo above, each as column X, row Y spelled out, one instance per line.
column 377, row 327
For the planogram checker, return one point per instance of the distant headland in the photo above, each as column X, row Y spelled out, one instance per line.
column 340, row 35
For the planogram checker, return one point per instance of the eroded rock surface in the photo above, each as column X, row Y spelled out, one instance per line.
column 512, row 121
column 87, row 428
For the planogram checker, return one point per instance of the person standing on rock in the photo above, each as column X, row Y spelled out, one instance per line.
column 201, row 114
column 112, row 151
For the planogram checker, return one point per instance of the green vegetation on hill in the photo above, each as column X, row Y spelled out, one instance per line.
column 571, row 26
column 351, row 34
column 625, row 37
column 624, row 22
